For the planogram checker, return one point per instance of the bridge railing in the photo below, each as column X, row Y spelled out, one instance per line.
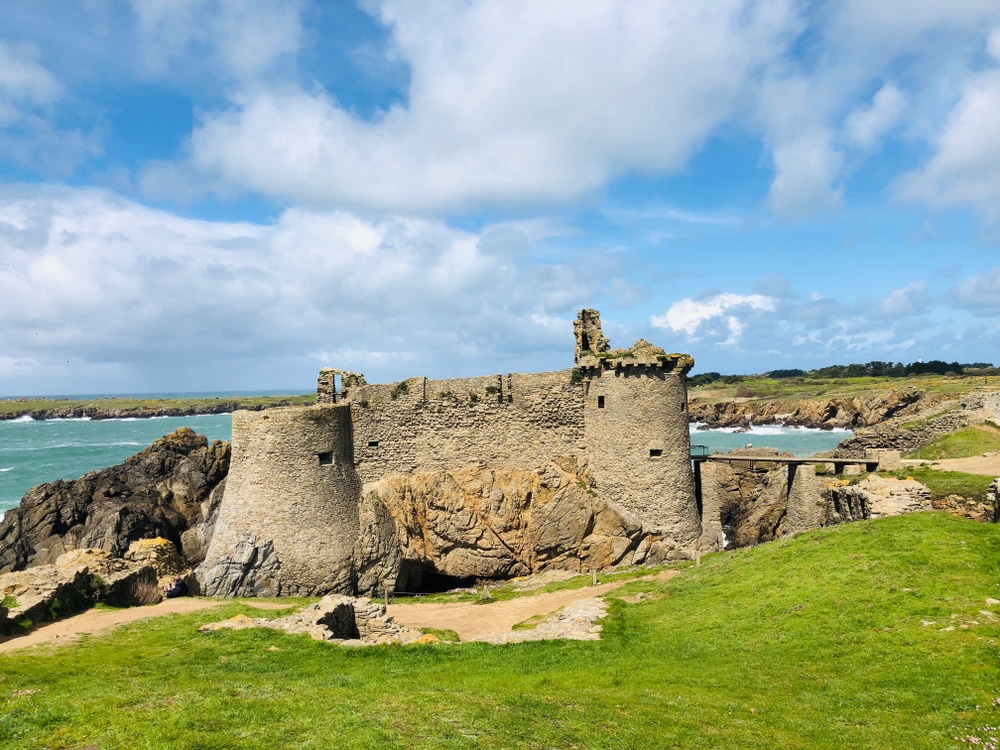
column 699, row 451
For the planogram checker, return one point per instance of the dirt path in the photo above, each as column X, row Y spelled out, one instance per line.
column 987, row 465
column 92, row 621
column 472, row 620
column 467, row 619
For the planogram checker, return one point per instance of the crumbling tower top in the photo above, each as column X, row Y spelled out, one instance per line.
column 593, row 350
column 589, row 337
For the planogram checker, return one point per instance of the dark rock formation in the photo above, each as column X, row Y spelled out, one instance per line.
column 160, row 492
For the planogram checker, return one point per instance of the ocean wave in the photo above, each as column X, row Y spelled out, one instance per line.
column 9, row 468
column 69, row 419
column 24, row 418
column 768, row 429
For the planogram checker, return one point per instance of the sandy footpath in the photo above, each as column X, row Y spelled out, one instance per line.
column 468, row 619
column 100, row 620
column 987, row 465
column 472, row 620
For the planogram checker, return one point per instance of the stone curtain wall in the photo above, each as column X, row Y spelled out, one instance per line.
column 639, row 445
column 520, row 421
column 289, row 517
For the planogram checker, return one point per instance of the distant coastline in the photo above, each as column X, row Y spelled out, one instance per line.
column 141, row 406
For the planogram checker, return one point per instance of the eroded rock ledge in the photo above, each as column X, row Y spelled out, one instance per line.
column 821, row 413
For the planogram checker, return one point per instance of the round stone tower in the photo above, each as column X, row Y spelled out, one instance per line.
column 636, row 429
column 638, row 444
column 289, row 515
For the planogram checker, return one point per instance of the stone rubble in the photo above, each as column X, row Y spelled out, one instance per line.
column 346, row 620
column 350, row 621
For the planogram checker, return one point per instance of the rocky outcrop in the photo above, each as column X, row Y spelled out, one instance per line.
column 336, row 618
column 873, row 497
column 75, row 581
column 252, row 569
column 754, row 498
column 480, row 523
column 166, row 490
column 817, row 413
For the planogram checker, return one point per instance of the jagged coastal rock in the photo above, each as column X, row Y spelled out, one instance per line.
column 165, row 491
column 817, row 413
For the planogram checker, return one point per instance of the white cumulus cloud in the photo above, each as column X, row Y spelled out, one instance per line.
column 510, row 102
column 866, row 125
column 689, row 314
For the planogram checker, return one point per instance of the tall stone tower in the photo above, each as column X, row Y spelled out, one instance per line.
column 289, row 519
column 636, row 430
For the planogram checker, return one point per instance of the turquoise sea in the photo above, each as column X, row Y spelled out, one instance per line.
column 32, row 452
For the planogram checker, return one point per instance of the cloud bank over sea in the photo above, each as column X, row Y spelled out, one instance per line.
column 218, row 195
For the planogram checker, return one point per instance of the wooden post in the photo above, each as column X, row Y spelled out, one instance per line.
column 386, row 589
column 697, row 554
column 593, row 574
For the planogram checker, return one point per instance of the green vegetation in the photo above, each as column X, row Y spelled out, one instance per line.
column 944, row 483
column 771, row 389
column 9, row 602
column 399, row 389
column 867, row 635
column 971, row 441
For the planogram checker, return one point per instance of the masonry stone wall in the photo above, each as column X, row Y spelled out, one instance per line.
column 638, row 445
column 292, row 488
column 289, row 517
column 521, row 421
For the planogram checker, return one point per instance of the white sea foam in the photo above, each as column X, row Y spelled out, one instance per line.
column 69, row 419
column 767, row 429
column 9, row 468
column 24, row 418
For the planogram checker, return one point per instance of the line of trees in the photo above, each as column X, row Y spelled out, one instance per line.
column 870, row 369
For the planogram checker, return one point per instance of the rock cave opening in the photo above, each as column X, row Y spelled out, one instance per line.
column 424, row 578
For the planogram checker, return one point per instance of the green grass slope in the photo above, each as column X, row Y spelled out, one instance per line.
column 813, row 642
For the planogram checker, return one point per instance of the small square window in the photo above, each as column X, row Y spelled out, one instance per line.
column 325, row 459
column 655, row 452
column 600, row 402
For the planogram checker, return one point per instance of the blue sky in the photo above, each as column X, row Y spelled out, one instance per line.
column 222, row 195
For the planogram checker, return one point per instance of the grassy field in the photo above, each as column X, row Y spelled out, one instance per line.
column 971, row 441
column 869, row 635
column 769, row 389
column 17, row 406
column 943, row 483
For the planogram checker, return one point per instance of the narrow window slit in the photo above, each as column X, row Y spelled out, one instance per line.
column 655, row 452
column 373, row 443
column 600, row 402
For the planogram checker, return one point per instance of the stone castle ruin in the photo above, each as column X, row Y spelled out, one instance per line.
column 422, row 484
